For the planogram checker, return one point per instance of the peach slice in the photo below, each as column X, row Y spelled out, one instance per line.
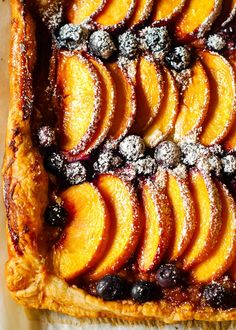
column 209, row 220
column 149, row 96
column 85, row 238
column 183, row 214
column 196, row 18
column 125, row 229
column 125, row 108
column 141, row 12
column 157, row 227
column 164, row 122
column 82, row 10
column 222, row 107
column 115, row 14
column 230, row 140
column 78, row 85
column 108, row 106
column 194, row 104
column 220, row 260
column 164, row 11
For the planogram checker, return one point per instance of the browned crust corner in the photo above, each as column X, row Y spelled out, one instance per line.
column 26, row 196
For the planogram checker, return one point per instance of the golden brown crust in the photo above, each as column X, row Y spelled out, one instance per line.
column 25, row 193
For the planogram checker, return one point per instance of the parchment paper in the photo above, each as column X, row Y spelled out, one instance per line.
column 13, row 316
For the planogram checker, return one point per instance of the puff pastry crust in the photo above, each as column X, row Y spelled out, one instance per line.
column 25, row 193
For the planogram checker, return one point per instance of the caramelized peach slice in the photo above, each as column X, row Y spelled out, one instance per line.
column 82, row 10
column 222, row 107
column 125, row 108
column 115, row 13
column 209, row 220
column 79, row 86
column 141, row 12
column 197, row 18
column 107, row 109
column 149, row 96
column 183, row 214
column 157, row 227
column 230, row 140
column 164, row 122
column 85, row 238
column 125, row 229
column 194, row 104
column 220, row 260
column 167, row 10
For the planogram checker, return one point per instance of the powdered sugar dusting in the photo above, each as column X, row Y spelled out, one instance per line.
column 51, row 13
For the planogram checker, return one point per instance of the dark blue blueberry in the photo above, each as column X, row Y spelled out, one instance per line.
column 143, row 291
column 55, row 215
column 168, row 276
column 111, row 287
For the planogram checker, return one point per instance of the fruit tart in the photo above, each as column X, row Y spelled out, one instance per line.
column 120, row 164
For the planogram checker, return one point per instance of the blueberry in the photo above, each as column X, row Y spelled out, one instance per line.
column 229, row 164
column 54, row 162
column 216, row 42
column 107, row 161
column 216, row 295
column 143, row 291
column 156, row 39
column 128, row 44
column 111, row 287
column 132, row 147
column 74, row 173
column 55, row 215
column 168, row 276
column 101, row 44
column 145, row 166
column 167, row 154
column 70, row 36
column 179, row 58
column 46, row 136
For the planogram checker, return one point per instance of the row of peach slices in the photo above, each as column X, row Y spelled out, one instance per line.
column 101, row 101
column 113, row 14
column 191, row 222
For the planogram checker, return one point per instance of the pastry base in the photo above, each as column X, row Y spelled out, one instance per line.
column 25, row 193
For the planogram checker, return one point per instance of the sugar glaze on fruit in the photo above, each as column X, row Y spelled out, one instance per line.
column 173, row 168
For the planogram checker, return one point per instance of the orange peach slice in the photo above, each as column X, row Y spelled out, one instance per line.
column 78, row 85
column 149, row 96
column 125, row 229
column 85, row 238
column 184, row 216
column 196, row 18
column 222, row 107
column 208, row 212
column 125, row 108
column 157, row 227
column 220, row 260
column 141, row 12
column 108, row 106
column 166, row 10
column 114, row 14
column 230, row 140
column 82, row 10
column 194, row 104
column 164, row 122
